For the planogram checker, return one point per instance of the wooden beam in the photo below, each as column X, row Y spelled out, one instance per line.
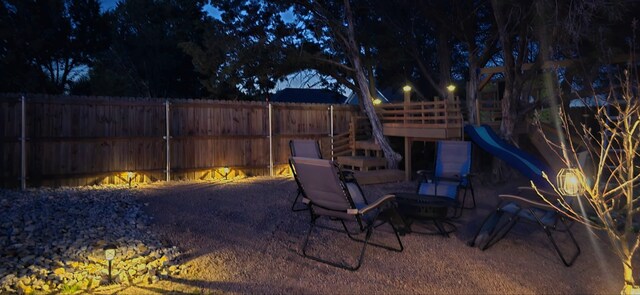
column 551, row 64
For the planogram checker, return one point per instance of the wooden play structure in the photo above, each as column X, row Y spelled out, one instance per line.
column 414, row 121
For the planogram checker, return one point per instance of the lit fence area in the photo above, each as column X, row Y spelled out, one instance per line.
column 63, row 140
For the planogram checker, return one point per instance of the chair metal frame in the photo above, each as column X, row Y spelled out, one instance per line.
column 384, row 210
column 527, row 210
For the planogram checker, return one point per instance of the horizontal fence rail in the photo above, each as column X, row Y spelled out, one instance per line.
column 94, row 140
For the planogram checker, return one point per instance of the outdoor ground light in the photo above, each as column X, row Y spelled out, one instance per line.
column 130, row 176
column 569, row 181
column 109, row 254
column 226, row 171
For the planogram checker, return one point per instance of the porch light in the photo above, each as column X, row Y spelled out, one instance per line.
column 109, row 254
column 451, row 88
column 406, row 88
column 570, row 182
column 377, row 101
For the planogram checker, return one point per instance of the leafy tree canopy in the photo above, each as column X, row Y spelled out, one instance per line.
column 46, row 44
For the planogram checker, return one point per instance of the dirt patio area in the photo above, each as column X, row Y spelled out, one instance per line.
column 241, row 237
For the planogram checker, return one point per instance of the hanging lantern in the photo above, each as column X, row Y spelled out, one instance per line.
column 570, row 182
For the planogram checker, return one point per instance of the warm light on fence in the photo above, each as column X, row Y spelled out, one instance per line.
column 406, row 88
column 226, row 171
column 570, row 182
column 130, row 176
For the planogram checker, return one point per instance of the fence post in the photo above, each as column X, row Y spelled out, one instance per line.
column 167, row 137
column 270, row 141
column 331, row 129
column 23, row 143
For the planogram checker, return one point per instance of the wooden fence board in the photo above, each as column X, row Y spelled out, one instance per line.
column 93, row 140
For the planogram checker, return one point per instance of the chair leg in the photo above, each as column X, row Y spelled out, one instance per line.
column 440, row 228
column 497, row 211
column 347, row 267
column 499, row 233
column 395, row 231
column 573, row 258
column 293, row 206
column 464, row 197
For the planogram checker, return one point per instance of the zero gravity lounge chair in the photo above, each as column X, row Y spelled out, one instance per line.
column 451, row 173
column 328, row 195
column 528, row 207
column 305, row 148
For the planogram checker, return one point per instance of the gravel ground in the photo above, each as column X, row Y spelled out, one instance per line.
column 52, row 240
column 241, row 237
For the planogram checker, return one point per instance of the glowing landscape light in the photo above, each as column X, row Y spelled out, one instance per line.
column 109, row 254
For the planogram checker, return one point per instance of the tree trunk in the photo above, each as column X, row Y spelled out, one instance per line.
column 376, row 127
column 508, row 113
column 629, row 282
column 353, row 52
column 472, row 91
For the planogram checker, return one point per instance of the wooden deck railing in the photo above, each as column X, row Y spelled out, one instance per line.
column 431, row 114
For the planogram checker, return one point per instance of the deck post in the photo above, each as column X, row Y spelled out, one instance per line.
column 270, row 141
column 407, row 158
column 23, row 143
column 331, row 129
column 407, row 140
column 168, row 144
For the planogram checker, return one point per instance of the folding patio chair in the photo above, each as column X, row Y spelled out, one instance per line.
column 451, row 173
column 526, row 206
column 328, row 195
column 306, row 148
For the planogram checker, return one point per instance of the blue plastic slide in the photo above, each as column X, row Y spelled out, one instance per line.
column 528, row 165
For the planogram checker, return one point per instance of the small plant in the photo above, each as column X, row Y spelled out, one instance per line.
column 70, row 289
column 610, row 176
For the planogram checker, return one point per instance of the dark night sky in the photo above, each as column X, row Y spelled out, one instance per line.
column 110, row 4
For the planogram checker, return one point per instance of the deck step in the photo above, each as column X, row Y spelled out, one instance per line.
column 367, row 145
column 379, row 176
column 362, row 162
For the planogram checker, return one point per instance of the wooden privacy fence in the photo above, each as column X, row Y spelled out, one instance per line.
column 60, row 140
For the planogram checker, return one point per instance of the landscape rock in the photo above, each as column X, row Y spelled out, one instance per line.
column 54, row 238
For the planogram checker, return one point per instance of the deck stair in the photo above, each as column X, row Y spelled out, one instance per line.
column 366, row 159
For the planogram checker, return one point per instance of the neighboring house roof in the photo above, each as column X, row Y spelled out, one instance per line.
column 301, row 95
column 386, row 96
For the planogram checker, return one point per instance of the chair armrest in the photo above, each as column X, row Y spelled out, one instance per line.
column 524, row 202
column 531, row 193
column 385, row 199
column 530, row 189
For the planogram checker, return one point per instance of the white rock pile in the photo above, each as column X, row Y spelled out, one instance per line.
column 52, row 240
